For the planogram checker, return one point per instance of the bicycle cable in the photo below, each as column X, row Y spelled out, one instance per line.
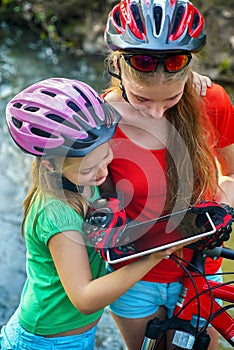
column 197, row 293
column 177, row 259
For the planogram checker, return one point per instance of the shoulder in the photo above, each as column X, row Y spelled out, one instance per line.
column 217, row 95
column 220, row 115
column 112, row 96
column 56, row 209
column 218, row 105
column 57, row 216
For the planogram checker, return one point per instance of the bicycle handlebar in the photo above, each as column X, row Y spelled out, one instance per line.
column 217, row 252
column 227, row 253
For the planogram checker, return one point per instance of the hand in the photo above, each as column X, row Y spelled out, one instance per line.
column 219, row 213
column 201, row 82
column 165, row 253
column 221, row 216
column 104, row 228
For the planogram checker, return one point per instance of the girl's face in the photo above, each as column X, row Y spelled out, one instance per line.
column 92, row 170
column 154, row 100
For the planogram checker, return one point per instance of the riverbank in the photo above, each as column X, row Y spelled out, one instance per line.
column 78, row 30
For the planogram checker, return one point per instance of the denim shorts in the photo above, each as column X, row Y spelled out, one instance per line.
column 145, row 298
column 14, row 337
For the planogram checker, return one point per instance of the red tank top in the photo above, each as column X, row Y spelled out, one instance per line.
column 140, row 174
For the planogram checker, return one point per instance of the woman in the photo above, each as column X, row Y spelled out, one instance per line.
column 172, row 147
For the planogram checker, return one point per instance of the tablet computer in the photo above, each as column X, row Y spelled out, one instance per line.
column 162, row 233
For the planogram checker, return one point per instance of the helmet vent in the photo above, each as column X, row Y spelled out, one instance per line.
column 42, row 133
column 32, row 109
column 17, row 123
column 74, row 106
column 88, row 141
column 60, row 120
column 76, row 109
column 49, row 93
column 88, row 102
column 137, row 17
column 17, row 105
column 158, row 18
column 117, row 19
column 196, row 21
column 177, row 19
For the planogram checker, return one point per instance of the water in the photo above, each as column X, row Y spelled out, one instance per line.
column 24, row 60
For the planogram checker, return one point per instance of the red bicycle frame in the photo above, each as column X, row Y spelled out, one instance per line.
column 205, row 305
column 197, row 297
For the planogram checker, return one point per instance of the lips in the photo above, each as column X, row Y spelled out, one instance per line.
column 100, row 179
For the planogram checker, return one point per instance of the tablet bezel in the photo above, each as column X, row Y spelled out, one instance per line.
column 165, row 246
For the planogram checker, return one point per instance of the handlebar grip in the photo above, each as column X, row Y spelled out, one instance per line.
column 227, row 253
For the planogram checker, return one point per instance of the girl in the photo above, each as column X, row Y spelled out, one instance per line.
column 66, row 126
column 172, row 148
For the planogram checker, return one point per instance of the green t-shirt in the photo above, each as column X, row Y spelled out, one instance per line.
column 44, row 306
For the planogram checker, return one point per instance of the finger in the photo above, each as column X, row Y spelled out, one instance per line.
column 201, row 83
column 205, row 82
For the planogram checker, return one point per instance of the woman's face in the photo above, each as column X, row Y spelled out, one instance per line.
column 154, row 100
column 92, row 170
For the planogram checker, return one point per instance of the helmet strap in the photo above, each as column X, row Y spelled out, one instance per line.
column 113, row 74
column 124, row 95
column 118, row 76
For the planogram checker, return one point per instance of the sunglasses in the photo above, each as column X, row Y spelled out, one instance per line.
column 148, row 64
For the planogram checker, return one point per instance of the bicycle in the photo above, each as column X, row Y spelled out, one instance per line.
column 198, row 293
column 197, row 297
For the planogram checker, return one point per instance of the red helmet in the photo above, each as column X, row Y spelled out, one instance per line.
column 155, row 25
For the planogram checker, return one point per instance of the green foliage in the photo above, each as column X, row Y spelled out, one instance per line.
column 65, row 23
column 4, row 3
column 16, row 9
column 225, row 65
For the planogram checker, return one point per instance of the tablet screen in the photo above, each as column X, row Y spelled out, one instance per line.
column 163, row 232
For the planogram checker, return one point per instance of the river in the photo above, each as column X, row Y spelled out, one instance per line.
column 25, row 60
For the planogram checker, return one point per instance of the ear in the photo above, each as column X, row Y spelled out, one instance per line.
column 47, row 164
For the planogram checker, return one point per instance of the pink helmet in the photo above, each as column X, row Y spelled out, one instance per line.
column 60, row 117
column 155, row 25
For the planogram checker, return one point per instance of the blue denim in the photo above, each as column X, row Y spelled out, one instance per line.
column 145, row 298
column 15, row 337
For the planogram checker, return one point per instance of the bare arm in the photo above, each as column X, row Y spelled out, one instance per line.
column 226, row 164
column 71, row 260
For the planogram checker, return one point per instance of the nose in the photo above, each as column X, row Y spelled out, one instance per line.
column 103, row 170
column 157, row 110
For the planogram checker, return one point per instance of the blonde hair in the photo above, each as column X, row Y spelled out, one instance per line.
column 45, row 182
column 186, row 118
